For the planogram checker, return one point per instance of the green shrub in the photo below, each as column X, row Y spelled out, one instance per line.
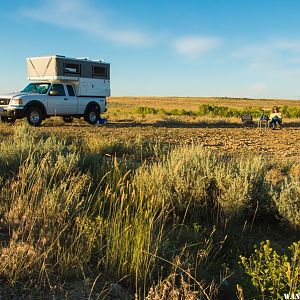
column 218, row 111
column 146, row 110
column 273, row 274
column 290, row 112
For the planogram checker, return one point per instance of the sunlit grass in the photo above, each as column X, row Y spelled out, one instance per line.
column 143, row 211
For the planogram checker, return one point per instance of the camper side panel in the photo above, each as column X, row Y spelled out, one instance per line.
column 92, row 87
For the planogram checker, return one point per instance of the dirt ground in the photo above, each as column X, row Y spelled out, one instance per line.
column 283, row 144
column 225, row 137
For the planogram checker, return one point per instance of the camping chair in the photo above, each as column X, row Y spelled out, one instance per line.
column 263, row 121
column 247, row 120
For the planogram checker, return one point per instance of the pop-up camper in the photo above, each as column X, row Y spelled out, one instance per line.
column 90, row 78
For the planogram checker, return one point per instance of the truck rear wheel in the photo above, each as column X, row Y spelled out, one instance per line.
column 34, row 116
column 92, row 115
column 68, row 119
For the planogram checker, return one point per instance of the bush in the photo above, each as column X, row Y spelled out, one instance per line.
column 273, row 274
column 241, row 187
column 183, row 178
column 290, row 112
column 287, row 202
column 192, row 178
column 218, row 111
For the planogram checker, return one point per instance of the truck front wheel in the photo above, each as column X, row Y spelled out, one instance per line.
column 92, row 115
column 7, row 120
column 34, row 116
column 68, row 119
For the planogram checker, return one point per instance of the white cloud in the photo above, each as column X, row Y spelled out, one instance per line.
column 277, row 57
column 81, row 16
column 291, row 45
column 78, row 14
column 195, row 46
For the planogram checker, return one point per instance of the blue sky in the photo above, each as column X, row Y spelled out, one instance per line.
column 233, row 48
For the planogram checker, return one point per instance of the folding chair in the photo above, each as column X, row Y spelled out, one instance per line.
column 247, row 121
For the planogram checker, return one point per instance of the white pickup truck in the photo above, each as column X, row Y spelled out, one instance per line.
column 71, row 93
column 40, row 100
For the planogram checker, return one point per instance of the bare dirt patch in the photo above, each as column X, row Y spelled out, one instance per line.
column 221, row 136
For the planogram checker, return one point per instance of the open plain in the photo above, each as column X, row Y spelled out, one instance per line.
column 223, row 134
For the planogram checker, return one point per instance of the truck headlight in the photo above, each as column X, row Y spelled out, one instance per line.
column 16, row 101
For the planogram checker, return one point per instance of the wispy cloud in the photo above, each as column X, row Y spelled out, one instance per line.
column 195, row 46
column 79, row 15
column 279, row 56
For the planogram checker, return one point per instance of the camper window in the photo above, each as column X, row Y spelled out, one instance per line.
column 100, row 71
column 72, row 68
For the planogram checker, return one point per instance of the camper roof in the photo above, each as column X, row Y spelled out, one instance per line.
column 65, row 57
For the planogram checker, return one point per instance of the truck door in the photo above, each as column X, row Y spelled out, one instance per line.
column 72, row 100
column 59, row 102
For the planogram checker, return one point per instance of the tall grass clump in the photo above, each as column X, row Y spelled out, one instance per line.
column 132, row 230
column 26, row 142
column 60, row 219
column 43, row 206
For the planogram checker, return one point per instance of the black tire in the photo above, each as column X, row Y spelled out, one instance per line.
column 92, row 114
column 7, row 120
column 4, row 119
column 11, row 120
column 68, row 119
column 34, row 116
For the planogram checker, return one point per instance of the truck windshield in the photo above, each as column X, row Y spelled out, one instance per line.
column 38, row 88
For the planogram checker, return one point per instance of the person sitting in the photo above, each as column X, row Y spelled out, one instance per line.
column 275, row 117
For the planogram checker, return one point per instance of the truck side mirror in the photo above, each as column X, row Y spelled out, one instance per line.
column 53, row 93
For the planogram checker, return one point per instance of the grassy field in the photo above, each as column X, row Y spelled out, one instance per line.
column 151, row 206
column 192, row 103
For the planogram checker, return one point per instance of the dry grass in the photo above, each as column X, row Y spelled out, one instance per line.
column 132, row 200
column 126, row 104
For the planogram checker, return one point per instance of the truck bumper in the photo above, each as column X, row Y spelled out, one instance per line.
column 12, row 113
